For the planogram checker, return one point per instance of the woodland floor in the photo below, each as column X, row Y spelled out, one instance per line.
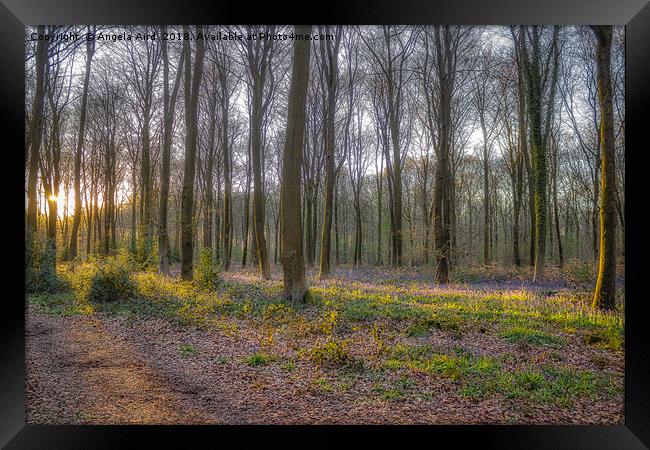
column 372, row 346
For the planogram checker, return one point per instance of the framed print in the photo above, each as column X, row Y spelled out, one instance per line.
column 418, row 220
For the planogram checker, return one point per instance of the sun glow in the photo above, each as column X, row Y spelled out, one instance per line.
column 53, row 198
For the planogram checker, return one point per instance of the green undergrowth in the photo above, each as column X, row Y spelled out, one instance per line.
column 516, row 316
column 424, row 358
column 521, row 334
column 479, row 377
column 259, row 359
column 332, row 354
column 61, row 304
column 398, row 323
column 546, row 385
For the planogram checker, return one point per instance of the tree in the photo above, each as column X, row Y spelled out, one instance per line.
column 329, row 51
column 191, row 90
column 391, row 59
column 259, row 56
column 72, row 248
column 536, row 74
column 312, row 167
column 484, row 97
column 58, row 89
column 605, row 293
column 223, row 64
column 143, row 63
column 522, row 120
column 169, row 102
column 293, row 262
column 393, row 164
column 449, row 44
column 514, row 161
column 36, row 130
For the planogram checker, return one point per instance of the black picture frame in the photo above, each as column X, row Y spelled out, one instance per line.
column 634, row 14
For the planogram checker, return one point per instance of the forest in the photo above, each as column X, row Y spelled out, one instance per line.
column 324, row 224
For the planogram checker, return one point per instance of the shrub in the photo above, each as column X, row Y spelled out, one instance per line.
column 207, row 274
column 48, row 280
column 111, row 282
column 145, row 254
column 40, row 266
column 127, row 258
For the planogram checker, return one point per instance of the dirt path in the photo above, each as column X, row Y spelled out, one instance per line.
column 118, row 370
column 98, row 370
column 78, row 372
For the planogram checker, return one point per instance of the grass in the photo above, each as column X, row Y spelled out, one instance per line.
column 289, row 365
column 398, row 322
column 520, row 334
column 481, row 376
column 331, row 353
column 609, row 338
column 187, row 350
column 258, row 359
column 550, row 385
column 425, row 358
column 331, row 307
column 323, row 385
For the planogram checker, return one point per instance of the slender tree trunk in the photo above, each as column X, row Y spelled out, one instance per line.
column 164, row 249
column 538, row 147
column 329, row 55
column 293, row 261
column 486, row 194
column 247, row 209
column 36, row 132
column 605, row 292
column 517, row 194
column 556, row 209
column 308, row 222
column 442, row 207
column 226, row 235
column 521, row 114
column 72, row 252
column 134, row 209
column 208, row 212
column 379, row 221
column 191, row 105
column 258, row 200
column 326, row 236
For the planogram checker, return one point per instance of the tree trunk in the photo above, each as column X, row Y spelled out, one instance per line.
column 36, row 131
column 442, row 207
column 164, row 249
column 329, row 55
column 247, row 209
column 605, row 293
column 379, row 211
column 72, row 252
column 293, row 262
column 481, row 99
column 258, row 200
column 191, row 106
column 226, row 234
column 556, row 209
